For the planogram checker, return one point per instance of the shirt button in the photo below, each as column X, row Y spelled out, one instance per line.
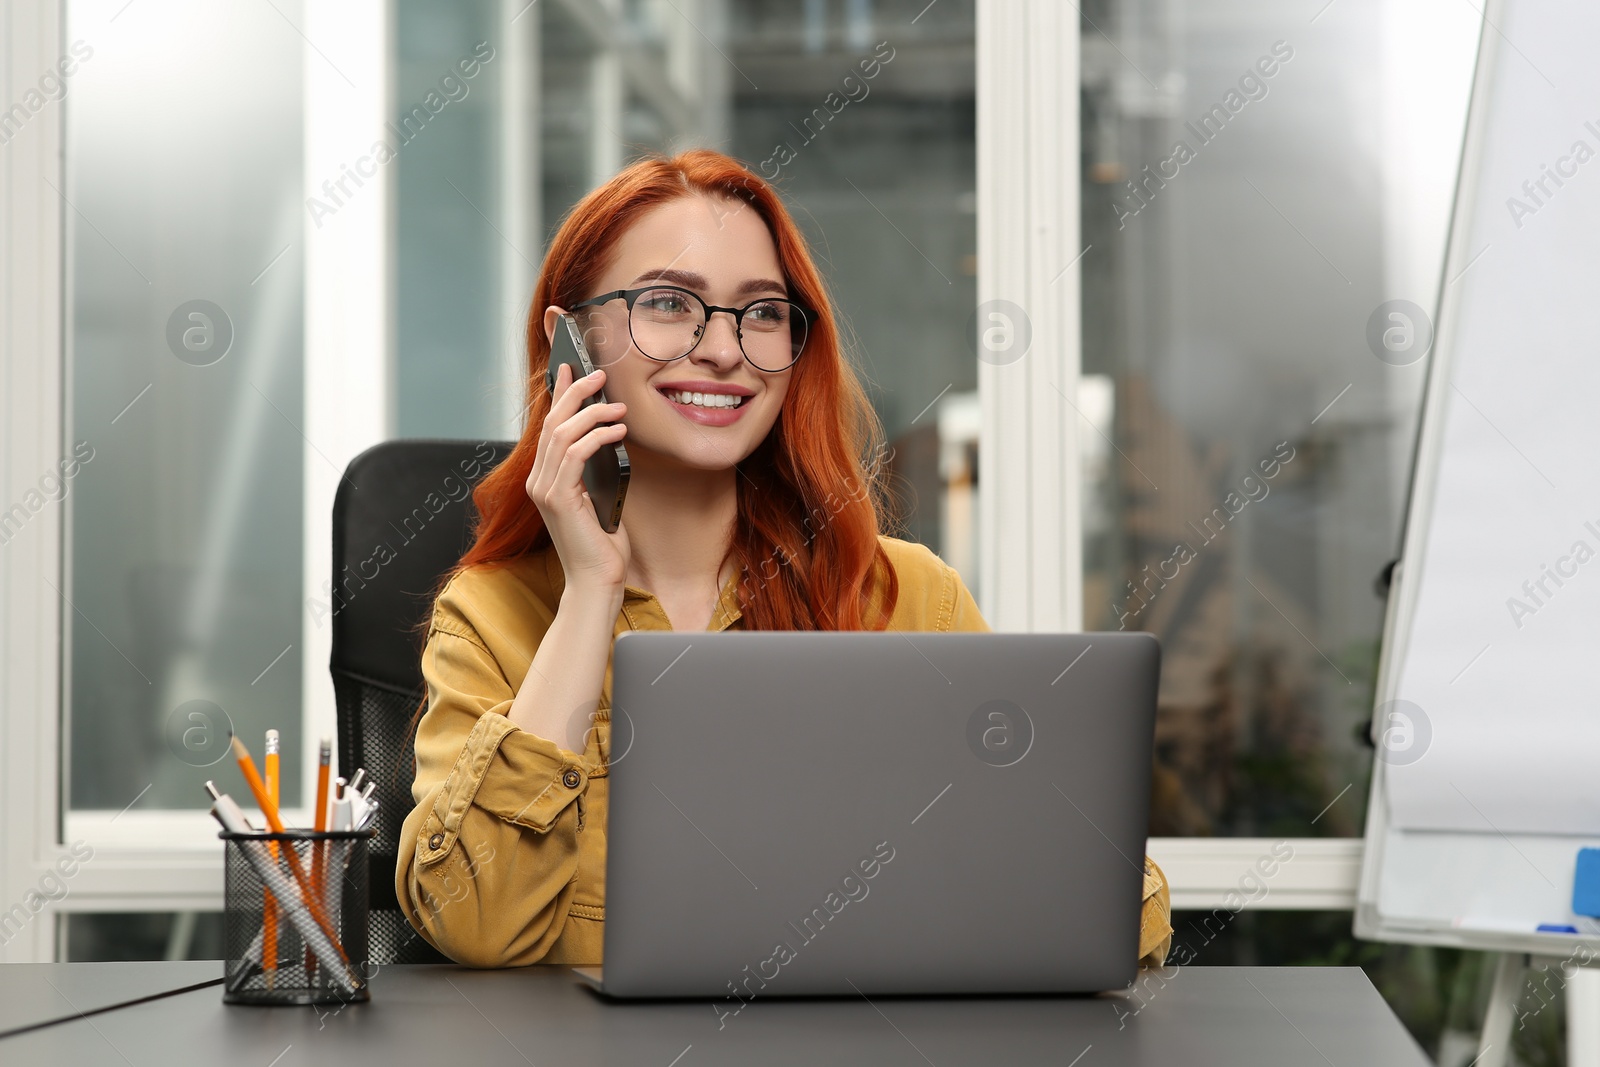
column 435, row 841
column 571, row 779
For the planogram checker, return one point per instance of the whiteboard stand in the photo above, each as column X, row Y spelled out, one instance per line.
column 1583, row 1018
column 1582, row 989
column 1494, row 1046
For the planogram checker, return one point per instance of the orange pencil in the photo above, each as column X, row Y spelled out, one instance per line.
column 319, row 823
column 269, row 907
column 269, row 810
column 324, row 758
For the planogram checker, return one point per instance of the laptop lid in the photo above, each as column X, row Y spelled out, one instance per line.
column 803, row 813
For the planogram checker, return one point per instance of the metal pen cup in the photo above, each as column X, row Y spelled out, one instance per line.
column 321, row 944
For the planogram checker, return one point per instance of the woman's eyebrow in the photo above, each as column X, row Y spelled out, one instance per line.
column 761, row 285
column 697, row 282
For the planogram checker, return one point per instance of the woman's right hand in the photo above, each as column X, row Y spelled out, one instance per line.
column 589, row 556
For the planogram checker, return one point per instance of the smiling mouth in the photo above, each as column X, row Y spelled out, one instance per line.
column 705, row 401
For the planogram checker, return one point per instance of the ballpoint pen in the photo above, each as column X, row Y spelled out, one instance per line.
column 340, row 817
column 361, row 802
column 367, row 816
column 343, row 819
column 356, row 812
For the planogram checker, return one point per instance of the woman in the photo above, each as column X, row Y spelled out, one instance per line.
column 748, row 507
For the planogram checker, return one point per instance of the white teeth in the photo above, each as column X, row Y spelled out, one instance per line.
column 705, row 400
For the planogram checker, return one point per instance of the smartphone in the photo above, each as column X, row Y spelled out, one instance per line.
column 605, row 475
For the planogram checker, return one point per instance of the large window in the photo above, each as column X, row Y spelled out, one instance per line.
column 254, row 291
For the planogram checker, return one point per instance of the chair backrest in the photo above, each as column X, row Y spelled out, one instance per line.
column 402, row 517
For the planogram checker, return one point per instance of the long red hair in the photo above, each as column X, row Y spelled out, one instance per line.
column 811, row 500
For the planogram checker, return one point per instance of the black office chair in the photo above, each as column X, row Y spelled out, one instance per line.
column 388, row 497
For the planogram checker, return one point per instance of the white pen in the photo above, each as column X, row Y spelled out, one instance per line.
column 366, row 817
column 226, row 811
column 343, row 818
column 363, row 809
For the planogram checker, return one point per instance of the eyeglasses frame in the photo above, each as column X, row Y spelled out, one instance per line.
column 631, row 295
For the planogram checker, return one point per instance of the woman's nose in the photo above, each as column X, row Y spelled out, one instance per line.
column 720, row 339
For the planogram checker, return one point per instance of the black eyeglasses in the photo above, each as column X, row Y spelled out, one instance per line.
column 666, row 322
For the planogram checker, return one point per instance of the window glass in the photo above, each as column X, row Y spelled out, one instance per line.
column 448, row 337
column 568, row 130
column 1256, row 187
column 100, row 937
column 182, row 200
column 863, row 114
column 867, row 120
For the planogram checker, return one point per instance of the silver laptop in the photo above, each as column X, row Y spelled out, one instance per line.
column 811, row 813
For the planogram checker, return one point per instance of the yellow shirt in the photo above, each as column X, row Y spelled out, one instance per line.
column 507, row 857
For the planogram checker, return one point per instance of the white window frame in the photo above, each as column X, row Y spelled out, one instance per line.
column 30, row 435
column 1029, row 520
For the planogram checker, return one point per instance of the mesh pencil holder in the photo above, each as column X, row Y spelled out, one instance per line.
column 285, row 946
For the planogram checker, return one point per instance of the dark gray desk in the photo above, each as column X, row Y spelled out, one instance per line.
column 1197, row 1016
column 32, row 994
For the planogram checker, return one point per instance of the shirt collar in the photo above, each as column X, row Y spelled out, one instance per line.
column 723, row 617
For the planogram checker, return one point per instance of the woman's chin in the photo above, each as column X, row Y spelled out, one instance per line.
column 698, row 455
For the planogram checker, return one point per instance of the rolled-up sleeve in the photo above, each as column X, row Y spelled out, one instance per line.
column 1155, row 921
column 489, row 855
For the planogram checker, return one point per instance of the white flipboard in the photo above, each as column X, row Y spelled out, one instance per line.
column 1487, row 781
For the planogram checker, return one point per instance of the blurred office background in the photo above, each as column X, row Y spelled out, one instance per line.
column 1224, row 300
